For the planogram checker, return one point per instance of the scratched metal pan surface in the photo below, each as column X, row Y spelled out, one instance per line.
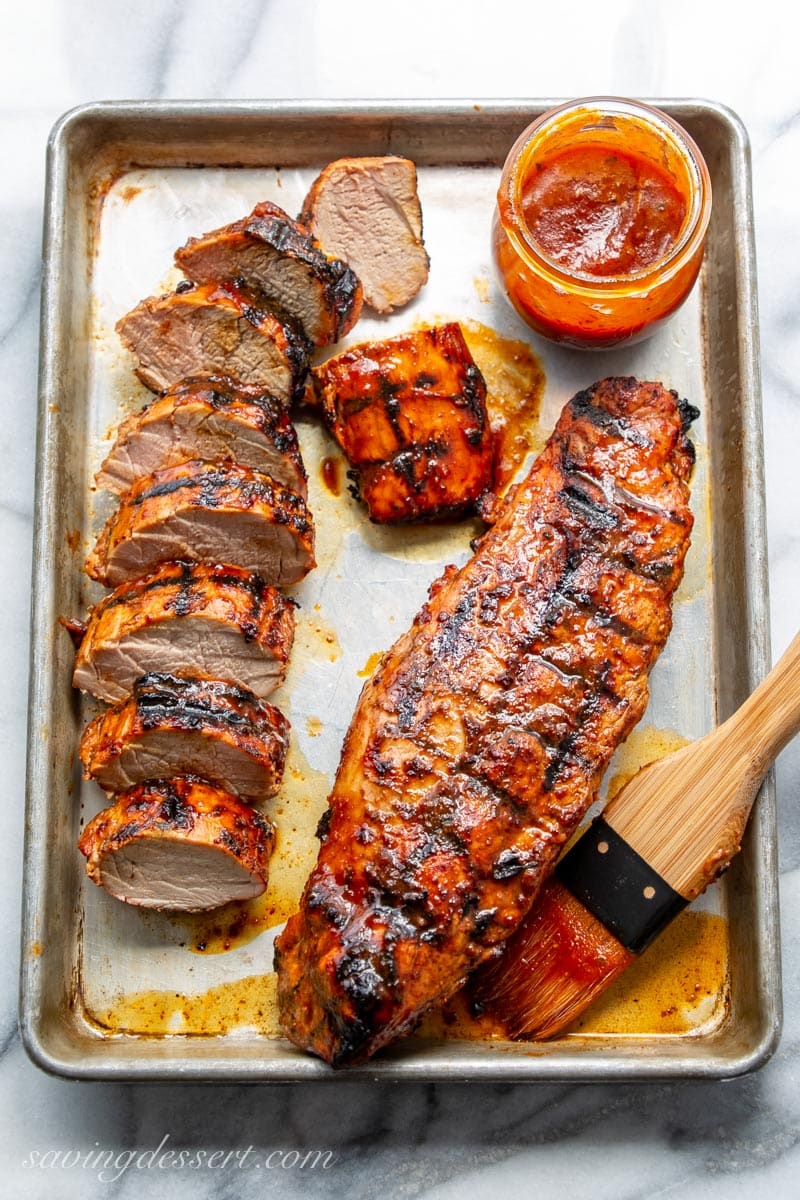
column 109, row 992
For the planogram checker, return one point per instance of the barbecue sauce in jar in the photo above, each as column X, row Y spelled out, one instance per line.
column 600, row 223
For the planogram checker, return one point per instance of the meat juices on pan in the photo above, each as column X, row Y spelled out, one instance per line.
column 186, row 726
column 210, row 418
column 278, row 259
column 410, row 415
column 206, row 512
column 217, row 622
column 368, row 211
column 483, row 736
column 179, row 845
column 215, row 330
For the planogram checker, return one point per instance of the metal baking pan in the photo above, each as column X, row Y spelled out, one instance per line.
column 126, row 184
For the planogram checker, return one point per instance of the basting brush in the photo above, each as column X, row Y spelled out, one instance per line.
column 669, row 833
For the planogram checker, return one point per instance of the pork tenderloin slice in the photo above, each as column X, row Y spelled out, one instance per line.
column 210, row 418
column 215, row 331
column 206, row 512
column 219, row 622
column 179, row 845
column 367, row 210
column 274, row 256
column 177, row 726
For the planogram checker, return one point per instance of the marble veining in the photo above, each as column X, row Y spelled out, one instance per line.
column 733, row 1139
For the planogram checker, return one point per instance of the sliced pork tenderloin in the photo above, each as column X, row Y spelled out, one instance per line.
column 276, row 258
column 367, row 210
column 213, row 330
column 180, row 845
column 177, row 726
column 219, row 622
column 206, row 512
column 210, row 418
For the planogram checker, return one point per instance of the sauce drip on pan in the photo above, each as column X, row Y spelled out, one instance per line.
column 515, row 382
column 248, row 1003
column 331, row 472
column 235, row 924
column 643, row 745
column 370, row 665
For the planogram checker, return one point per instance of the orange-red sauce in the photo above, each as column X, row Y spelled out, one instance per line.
column 602, row 212
column 370, row 665
column 330, row 470
column 234, row 925
column 515, row 382
column 249, row 1003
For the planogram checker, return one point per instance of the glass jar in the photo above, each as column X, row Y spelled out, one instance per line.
column 565, row 290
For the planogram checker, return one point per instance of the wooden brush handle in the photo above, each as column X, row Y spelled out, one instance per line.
column 685, row 814
column 771, row 716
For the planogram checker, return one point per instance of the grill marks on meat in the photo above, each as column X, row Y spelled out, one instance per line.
column 207, row 512
column 483, row 737
column 278, row 259
column 212, row 419
column 177, row 726
column 410, row 415
column 215, row 330
column 218, row 622
column 368, row 211
column 179, row 845
column 212, row 512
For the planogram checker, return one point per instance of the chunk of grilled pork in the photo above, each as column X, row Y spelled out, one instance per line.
column 210, row 418
column 278, row 259
column 367, row 210
column 179, row 845
column 198, row 619
column 410, row 415
column 206, row 512
column 213, row 330
column 179, row 726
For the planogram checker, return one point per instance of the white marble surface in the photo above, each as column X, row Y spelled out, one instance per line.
column 733, row 1139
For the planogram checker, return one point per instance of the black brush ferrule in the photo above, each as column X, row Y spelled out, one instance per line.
column 618, row 887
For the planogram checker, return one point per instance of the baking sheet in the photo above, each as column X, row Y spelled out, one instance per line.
column 148, row 994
